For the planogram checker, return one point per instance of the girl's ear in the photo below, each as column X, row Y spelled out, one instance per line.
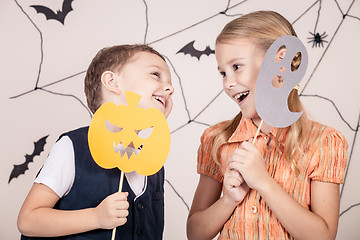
column 280, row 55
column 108, row 79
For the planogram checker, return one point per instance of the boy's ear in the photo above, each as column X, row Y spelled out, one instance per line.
column 108, row 80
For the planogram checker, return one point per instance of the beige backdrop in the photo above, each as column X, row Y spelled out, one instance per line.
column 43, row 63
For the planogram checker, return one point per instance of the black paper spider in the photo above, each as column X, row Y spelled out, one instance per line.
column 317, row 39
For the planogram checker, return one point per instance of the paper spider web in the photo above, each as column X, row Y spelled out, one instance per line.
column 199, row 99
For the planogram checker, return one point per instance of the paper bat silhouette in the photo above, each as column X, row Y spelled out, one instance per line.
column 21, row 168
column 59, row 15
column 189, row 49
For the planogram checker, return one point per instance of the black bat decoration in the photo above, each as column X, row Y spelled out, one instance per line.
column 21, row 168
column 189, row 49
column 59, row 15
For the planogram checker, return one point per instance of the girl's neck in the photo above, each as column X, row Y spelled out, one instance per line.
column 265, row 128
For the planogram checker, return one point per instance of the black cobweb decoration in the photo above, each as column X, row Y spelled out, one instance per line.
column 316, row 39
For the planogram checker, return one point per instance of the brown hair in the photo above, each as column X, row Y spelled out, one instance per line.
column 109, row 59
column 263, row 28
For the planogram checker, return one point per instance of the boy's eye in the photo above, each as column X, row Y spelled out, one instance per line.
column 157, row 74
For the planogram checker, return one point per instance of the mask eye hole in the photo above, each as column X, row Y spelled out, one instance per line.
column 144, row 133
column 112, row 127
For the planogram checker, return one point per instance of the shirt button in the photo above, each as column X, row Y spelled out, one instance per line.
column 138, row 231
column 253, row 209
column 139, row 206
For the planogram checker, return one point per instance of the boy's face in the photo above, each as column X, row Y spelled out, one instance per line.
column 149, row 76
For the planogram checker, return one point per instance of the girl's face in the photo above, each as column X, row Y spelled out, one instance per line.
column 239, row 62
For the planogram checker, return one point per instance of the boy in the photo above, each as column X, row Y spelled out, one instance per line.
column 72, row 196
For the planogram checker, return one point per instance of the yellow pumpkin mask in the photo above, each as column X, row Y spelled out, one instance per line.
column 120, row 146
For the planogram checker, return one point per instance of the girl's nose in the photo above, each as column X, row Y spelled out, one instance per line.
column 229, row 82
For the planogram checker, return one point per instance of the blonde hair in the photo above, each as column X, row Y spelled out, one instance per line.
column 263, row 28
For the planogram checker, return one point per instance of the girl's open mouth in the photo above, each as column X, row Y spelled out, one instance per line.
column 241, row 96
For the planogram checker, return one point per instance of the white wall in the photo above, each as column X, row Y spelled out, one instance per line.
column 35, row 52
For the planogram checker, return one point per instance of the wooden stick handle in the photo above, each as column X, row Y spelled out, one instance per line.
column 120, row 189
column 121, row 181
column 258, row 130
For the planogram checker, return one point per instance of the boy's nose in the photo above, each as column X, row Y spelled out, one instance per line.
column 168, row 88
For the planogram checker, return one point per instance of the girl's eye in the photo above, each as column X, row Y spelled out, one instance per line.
column 223, row 74
column 236, row 66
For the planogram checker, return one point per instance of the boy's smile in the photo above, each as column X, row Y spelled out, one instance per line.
column 149, row 76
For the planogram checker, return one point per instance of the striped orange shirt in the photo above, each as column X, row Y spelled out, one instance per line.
column 325, row 161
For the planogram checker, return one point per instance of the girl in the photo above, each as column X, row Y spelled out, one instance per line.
column 286, row 184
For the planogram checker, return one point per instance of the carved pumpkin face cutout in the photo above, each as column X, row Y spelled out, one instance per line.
column 114, row 140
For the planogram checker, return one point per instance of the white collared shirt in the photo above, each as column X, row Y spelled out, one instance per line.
column 58, row 172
